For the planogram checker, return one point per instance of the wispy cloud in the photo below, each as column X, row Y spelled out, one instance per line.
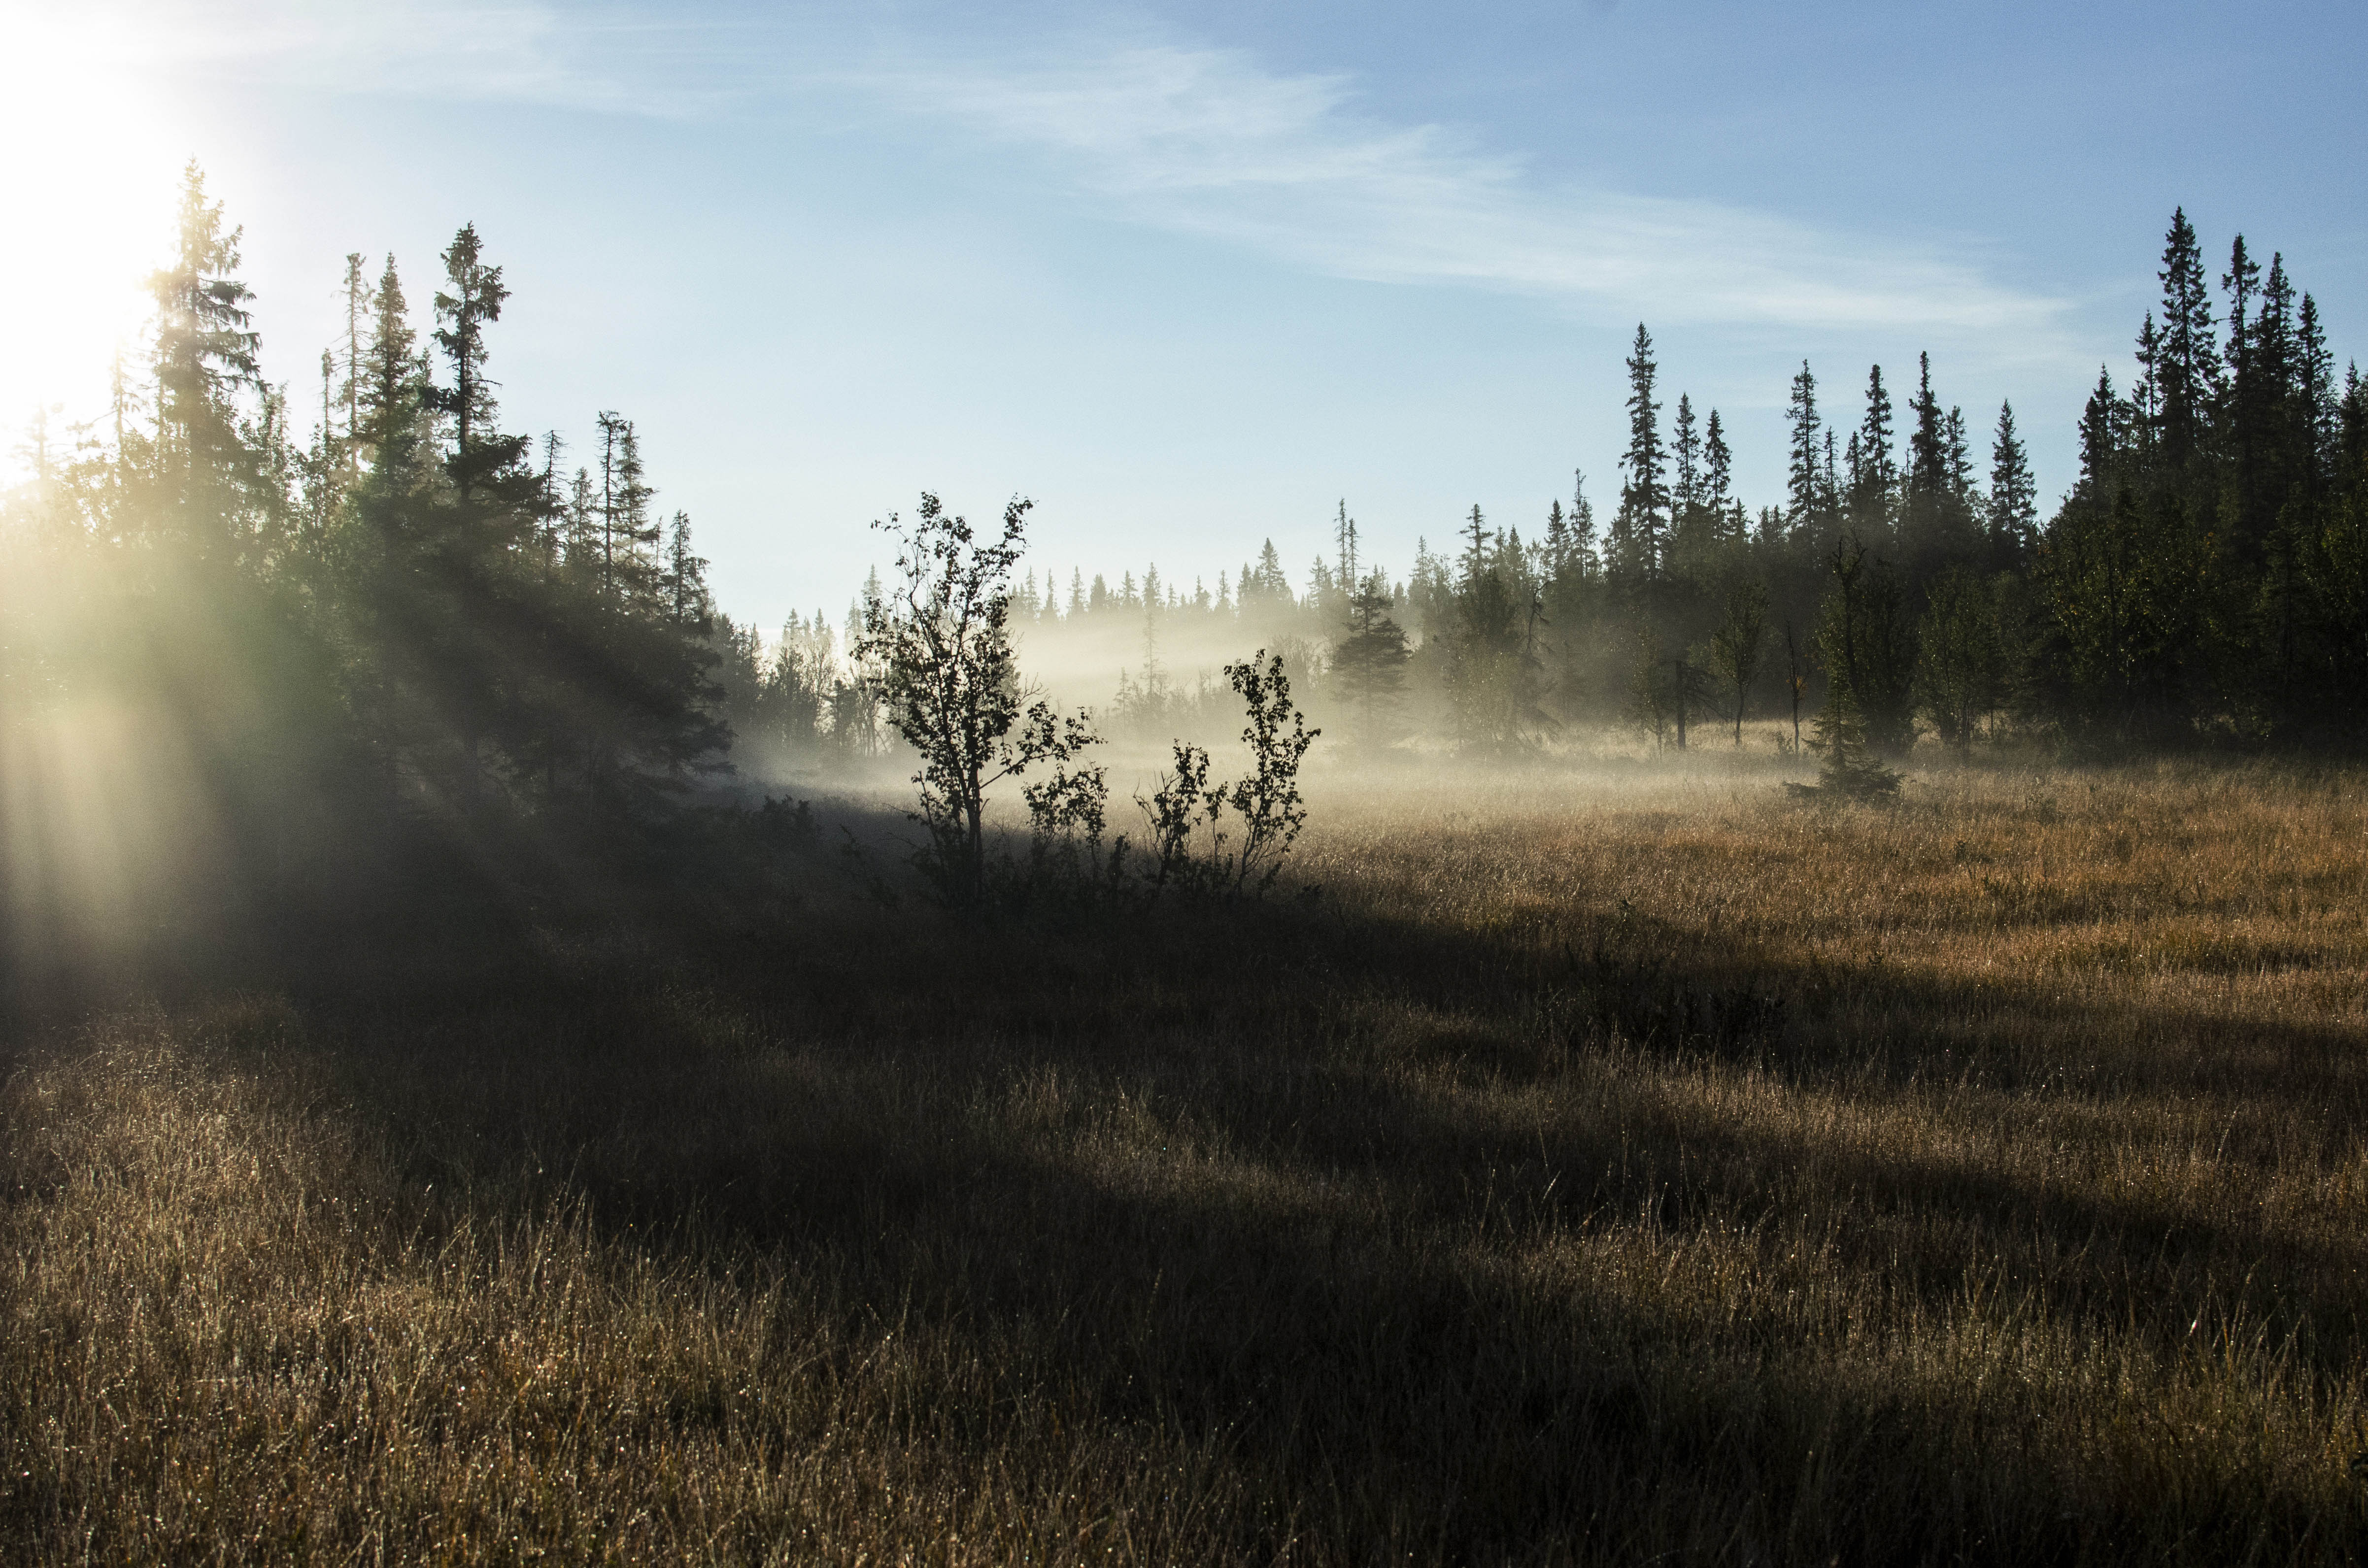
column 1200, row 140
column 1209, row 141
column 530, row 53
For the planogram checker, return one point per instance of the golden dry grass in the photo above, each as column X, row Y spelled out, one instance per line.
column 1660, row 1172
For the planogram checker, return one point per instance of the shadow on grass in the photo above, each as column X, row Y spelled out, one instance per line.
column 1232, row 1172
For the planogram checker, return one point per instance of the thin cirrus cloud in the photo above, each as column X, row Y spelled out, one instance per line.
column 1207, row 142
column 1192, row 138
column 527, row 54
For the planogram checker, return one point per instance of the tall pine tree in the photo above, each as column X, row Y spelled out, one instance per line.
column 1640, row 531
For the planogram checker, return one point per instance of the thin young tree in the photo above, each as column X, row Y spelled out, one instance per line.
column 1796, row 677
column 359, row 307
column 1344, row 539
column 950, row 679
column 1736, row 646
column 1649, row 695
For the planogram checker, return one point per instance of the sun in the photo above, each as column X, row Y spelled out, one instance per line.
column 86, row 193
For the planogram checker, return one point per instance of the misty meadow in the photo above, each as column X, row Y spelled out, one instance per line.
column 1805, row 1027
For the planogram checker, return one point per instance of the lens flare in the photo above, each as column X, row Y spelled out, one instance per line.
column 90, row 168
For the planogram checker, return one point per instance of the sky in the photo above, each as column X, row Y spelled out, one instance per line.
column 1186, row 275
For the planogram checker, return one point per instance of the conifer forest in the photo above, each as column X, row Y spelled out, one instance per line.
column 1822, row 1025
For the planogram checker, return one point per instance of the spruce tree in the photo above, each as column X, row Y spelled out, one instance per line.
column 2351, row 435
column 1804, row 485
column 1936, row 525
column 623, row 507
column 2275, row 502
column 2123, row 584
column 359, row 307
column 1718, row 481
column 2104, row 422
column 1369, row 664
column 2273, row 330
column 1580, row 521
column 2187, row 354
column 1272, row 583
column 1960, row 455
column 1640, row 530
column 2243, row 282
column 579, row 528
column 389, row 394
column 475, row 299
column 474, row 613
column 1928, row 444
column 685, row 581
column 1476, row 558
column 205, row 354
column 1491, row 670
column 2145, row 392
column 1875, row 475
column 325, row 478
column 1264, row 594
column 2316, row 411
column 1685, row 489
column 2014, row 499
column 2250, row 407
column 1344, row 539
column 554, row 500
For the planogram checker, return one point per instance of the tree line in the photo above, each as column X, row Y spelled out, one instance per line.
column 2204, row 580
column 415, row 612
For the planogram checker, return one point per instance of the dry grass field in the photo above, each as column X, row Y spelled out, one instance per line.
column 1655, row 1172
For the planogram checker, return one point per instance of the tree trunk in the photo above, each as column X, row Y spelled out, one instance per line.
column 974, row 852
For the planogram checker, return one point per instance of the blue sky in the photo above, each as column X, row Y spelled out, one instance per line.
column 1189, row 274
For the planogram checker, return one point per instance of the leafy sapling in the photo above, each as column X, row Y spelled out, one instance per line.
column 1072, row 804
column 1186, row 811
column 1179, row 805
column 1268, row 801
column 949, row 680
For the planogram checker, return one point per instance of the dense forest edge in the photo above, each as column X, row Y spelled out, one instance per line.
column 247, row 673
